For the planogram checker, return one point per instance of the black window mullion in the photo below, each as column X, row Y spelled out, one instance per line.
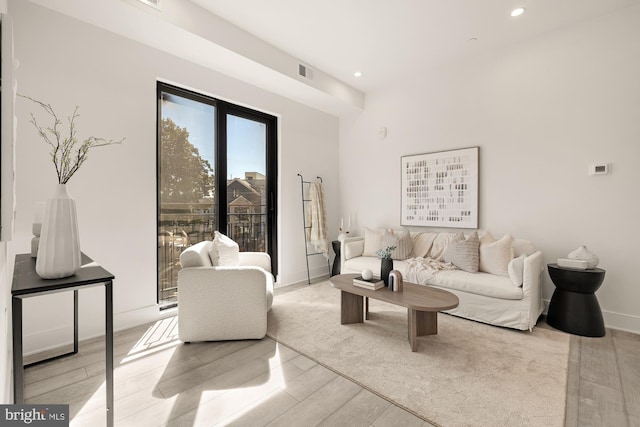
column 272, row 199
column 221, row 165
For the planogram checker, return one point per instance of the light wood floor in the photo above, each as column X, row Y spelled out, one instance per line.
column 160, row 381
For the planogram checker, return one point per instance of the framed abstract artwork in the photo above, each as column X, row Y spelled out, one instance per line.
column 440, row 189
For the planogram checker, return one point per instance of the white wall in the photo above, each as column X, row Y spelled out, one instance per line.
column 5, row 333
column 66, row 62
column 6, row 204
column 540, row 112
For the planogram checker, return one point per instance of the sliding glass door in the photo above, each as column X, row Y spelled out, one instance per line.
column 216, row 171
column 246, row 187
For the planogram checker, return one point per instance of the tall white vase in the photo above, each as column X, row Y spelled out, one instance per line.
column 59, row 249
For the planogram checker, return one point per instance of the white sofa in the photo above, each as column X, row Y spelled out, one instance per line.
column 217, row 303
column 484, row 297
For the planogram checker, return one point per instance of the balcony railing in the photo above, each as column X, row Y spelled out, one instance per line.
column 178, row 231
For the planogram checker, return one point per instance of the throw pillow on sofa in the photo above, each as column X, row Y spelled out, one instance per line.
column 464, row 254
column 422, row 244
column 441, row 242
column 516, row 270
column 372, row 242
column 401, row 240
column 495, row 255
column 224, row 251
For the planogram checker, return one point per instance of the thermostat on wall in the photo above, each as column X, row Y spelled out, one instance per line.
column 598, row 169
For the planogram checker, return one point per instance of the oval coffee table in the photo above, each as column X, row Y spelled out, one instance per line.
column 423, row 304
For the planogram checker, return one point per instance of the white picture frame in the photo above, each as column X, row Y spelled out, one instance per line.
column 440, row 189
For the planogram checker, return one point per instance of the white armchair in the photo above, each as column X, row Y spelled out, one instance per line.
column 217, row 303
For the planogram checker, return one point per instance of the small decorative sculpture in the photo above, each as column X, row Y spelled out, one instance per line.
column 367, row 274
column 395, row 281
column 582, row 253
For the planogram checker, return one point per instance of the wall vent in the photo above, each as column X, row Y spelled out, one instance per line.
column 304, row 71
column 153, row 3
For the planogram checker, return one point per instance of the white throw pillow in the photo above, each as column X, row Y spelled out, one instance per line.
column 422, row 244
column 516, row 270
column 372, row 242
column 464, row 254
column 495, row 255
column 441, row 242
column 225, row 251
column 353, row 249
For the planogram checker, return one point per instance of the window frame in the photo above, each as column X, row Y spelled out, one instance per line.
column 222, row 110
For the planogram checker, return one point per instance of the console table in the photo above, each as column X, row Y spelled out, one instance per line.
column 27, row 284
column 574, row 307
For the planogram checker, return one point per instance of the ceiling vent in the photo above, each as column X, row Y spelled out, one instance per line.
column 153, row 3
column 304, row 71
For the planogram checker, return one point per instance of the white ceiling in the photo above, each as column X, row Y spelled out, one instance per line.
column 388, row 40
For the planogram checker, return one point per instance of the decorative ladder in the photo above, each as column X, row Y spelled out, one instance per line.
column 307, row 227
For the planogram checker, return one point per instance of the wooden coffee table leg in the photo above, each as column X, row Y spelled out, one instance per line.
column 351, row 310
column 421, row 323
column 366, row 308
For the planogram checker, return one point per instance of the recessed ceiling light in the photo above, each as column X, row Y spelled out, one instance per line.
column 357, row 74
column 517, row 12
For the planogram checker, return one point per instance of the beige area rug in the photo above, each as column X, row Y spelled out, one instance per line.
column 470, row 374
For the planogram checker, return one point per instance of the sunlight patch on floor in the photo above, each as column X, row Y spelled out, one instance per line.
column 161, row 332
column 160, row 336
column 242, row 399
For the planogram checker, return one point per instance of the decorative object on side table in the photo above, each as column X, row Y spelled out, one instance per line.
column 577, row 264
column 386, row 264
column 395, row 281
column 59, row 246
column 344, row 233
column 583, row 254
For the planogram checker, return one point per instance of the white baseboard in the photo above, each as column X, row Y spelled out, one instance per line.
column 315, row 273
column 140, row 316
column 623, row 322
column 314, row 279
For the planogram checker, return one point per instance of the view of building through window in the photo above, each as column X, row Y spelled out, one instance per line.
column 188, row 199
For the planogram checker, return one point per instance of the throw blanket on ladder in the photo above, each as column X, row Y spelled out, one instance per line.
column 316, row 219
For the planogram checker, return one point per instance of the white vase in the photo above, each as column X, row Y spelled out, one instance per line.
column 59, row 248
column 583, row 254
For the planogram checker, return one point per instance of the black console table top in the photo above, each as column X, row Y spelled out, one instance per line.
column 26, row 281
